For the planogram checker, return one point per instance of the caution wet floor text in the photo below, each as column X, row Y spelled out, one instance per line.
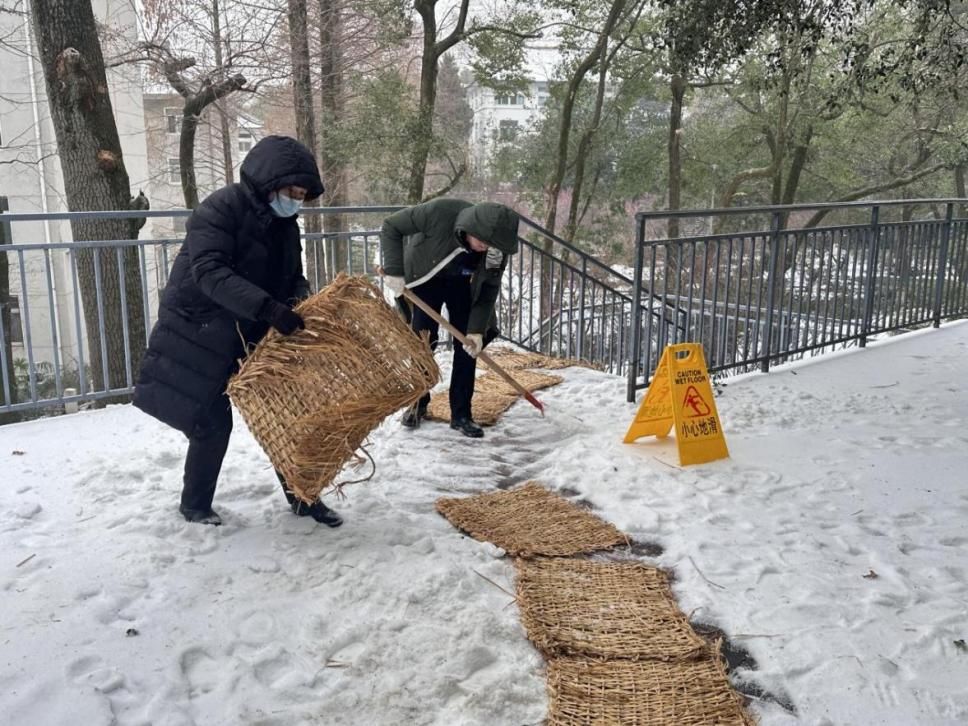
column 680, row 395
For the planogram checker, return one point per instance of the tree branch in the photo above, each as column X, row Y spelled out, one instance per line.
column 211, row 93
column 173, row 73
column 875, row 189
column 457, row 34
column 741, row 178
column 461, row 170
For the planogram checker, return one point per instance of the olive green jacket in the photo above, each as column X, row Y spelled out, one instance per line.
column 418, row 242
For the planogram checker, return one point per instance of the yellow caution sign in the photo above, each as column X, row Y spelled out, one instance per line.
column 680, row 396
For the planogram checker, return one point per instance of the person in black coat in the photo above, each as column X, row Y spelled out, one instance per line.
column 238, row 272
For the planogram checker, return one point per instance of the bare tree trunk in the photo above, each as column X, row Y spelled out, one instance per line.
column 195, row 105
column 302, row 96
column 797, row 165
column 331, row 97
column 211, row 91
column 960, row 187
column 186, row 154
column 428, row 98
column 223, row 116
column 581, row 156
column 553, row 190
column 94, row 179
column 678, row 88
column 226, row 133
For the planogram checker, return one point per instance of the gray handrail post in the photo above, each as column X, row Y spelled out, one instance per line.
column 942, row 263
column 771, row 288
column 636, row 307
column 871, row 274
column 8, row 378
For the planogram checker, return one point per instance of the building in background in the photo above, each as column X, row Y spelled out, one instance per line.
column 500, row 116
column 162, row 128
column 31, row 179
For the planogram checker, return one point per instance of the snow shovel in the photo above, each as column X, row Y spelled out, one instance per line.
column 528, row 396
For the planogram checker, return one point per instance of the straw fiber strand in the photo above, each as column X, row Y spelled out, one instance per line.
column 492, row 396
column 493, row 383
column 530, row 521
column 310, row 399
column 642, row 693
column 603, row 610
column 487, row 406
column 511, row 359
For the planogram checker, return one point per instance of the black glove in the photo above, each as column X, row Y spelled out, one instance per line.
column 283, row 319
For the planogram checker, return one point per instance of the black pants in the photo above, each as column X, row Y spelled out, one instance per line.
column 206, row 450
column 455, row 293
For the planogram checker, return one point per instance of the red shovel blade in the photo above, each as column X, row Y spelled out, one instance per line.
column 534, row 402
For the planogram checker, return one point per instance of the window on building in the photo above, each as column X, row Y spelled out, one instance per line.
column 173, row 119
column 509, row 99
column 507, row 130
column 245, row 140
column 16, row 332
column 178, row 223
column 174, row 170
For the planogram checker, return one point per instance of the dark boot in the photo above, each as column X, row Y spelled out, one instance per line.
column 467, row 427
column 200, row 516
column 318, row 511
column 416, row 413
column 413, row 416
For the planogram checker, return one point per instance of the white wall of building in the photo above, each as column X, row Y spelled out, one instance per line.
column 500, row 116
column 31, row 178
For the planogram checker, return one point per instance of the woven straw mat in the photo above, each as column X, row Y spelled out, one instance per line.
column 492, row 396
column 642, row 693
column 530, row 521
column 511, row 359
column 311, row 399
column 602, row 610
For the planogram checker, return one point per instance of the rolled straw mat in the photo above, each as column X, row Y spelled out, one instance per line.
column 529, row 521
column 603, row 610
column 642, row 693
column 310, row 399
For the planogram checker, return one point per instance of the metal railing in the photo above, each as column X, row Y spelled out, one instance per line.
column 561, row 301
column 767, row 292
column 78, row 313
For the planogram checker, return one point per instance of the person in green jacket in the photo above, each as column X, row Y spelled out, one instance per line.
column 451, row 252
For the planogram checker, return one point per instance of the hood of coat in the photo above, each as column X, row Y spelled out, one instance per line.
column 280, row 161
column 492, row 223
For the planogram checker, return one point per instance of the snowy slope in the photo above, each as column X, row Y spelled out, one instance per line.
column 116, row 611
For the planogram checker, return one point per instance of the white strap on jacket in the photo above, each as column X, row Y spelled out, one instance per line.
column 440, row 265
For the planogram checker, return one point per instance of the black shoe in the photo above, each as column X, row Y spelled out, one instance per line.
column 467, row 427
column 413, row 416
column 318, row 511
column 200, row 516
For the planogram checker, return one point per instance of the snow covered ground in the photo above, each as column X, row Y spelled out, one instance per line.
column 115, row 611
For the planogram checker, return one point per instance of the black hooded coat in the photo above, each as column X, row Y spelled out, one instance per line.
column 237, row 260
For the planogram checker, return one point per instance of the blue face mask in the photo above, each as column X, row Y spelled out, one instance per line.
column 285, row 206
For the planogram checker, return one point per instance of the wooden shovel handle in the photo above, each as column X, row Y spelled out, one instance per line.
column 409, row 295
